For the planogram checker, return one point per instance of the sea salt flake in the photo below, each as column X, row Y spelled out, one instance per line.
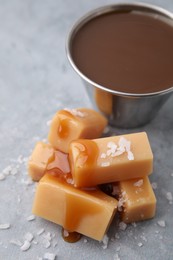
column 103, row 156
column 2, row 177
column 105, row 241
column 122, row 225
column 161, row 223
column 14, row 171
column 49, row 256
column 41, row 231
column 138, row 183
column 85, row 240
column 154, row 185
column 16, row 242
column 5, row 226
column 47, row 236
column 76, row 112
column 48, row 123
column 28, row 236
column 46, row 243
column 130, row 156
column 65, row 233
column 25, row 246
column 140, row 244
column 31, row 218
column 116, row 257
column 7, row 170
column 105, row 164
column 169, row 197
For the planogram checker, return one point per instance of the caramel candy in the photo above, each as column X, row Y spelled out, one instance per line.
column 110, row 159
column 88, row 212
column 45, row 158
column 138, row 200
column 68, row 125
column 41, row 155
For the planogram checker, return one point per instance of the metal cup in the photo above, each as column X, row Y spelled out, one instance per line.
column 122, row 109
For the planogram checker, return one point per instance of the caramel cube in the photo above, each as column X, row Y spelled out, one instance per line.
column 110, row 159
column 45, row 158
column 68, row 125
column 138, row 200
column 41, row 155
column 88, row 212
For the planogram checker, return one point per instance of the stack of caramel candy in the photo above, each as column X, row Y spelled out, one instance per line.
column 76, row 167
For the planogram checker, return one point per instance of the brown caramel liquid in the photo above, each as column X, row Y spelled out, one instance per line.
column 72, row 237
column 126, row 51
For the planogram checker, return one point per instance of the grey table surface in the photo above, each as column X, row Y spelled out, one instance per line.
column 35, row 81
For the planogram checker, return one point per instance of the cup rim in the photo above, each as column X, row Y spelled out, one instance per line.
column 106, row 9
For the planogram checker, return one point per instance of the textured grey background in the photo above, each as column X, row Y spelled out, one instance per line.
column 35, row 81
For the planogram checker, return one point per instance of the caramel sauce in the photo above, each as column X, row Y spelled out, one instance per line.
column 70, row 237
column 130, row 51
column 88, row 152
column 59, row 163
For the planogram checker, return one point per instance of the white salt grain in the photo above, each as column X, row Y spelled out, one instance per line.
column 65, row 233
column 161, row 223
column 122, row 225
column 46, row 243
column 105, row 164
column 130, row 156
column 85, row 240
column 47, row 236
column 49, row 256
column 16, row 242
column 103, row 156
column 28, row 236
column 25, row 246
column 2, row 177
column 41, row 231
column 116, row 257
column 138, row 183
column 105, row 241
column 169, row 197
column 31, row 218
column 154, row 185
column 5, row 226
column 48, row 123
column 76, row 112
column 140, row 244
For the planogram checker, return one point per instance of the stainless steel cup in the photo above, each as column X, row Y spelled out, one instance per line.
column 122, row 109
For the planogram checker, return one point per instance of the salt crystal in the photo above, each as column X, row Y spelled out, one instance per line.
column 117, row 236
column 2, row 177
column 7, row 170
column 41, row 231
column 47, row 236
column 122, row 225
column 130, row 156
column 154, row 185
column 105, row 164
column 116, row 257
column 16, row 242
column 105, row 241
column 169, row 197
column 161, row 223
column 31, row 218
column 5, row 226
column 106, row 130
column 140, row 244
column 49, row 256
column 134, row 224
column 13, row 171
column 118, row 248
column 76, row 112
column 28, row 236
column 48, row 123
column 25, row 246
column 65, row 233
column 46, row 243
column 103, row 156
column 85, row 240
column 138, row 183
column 34, row 242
